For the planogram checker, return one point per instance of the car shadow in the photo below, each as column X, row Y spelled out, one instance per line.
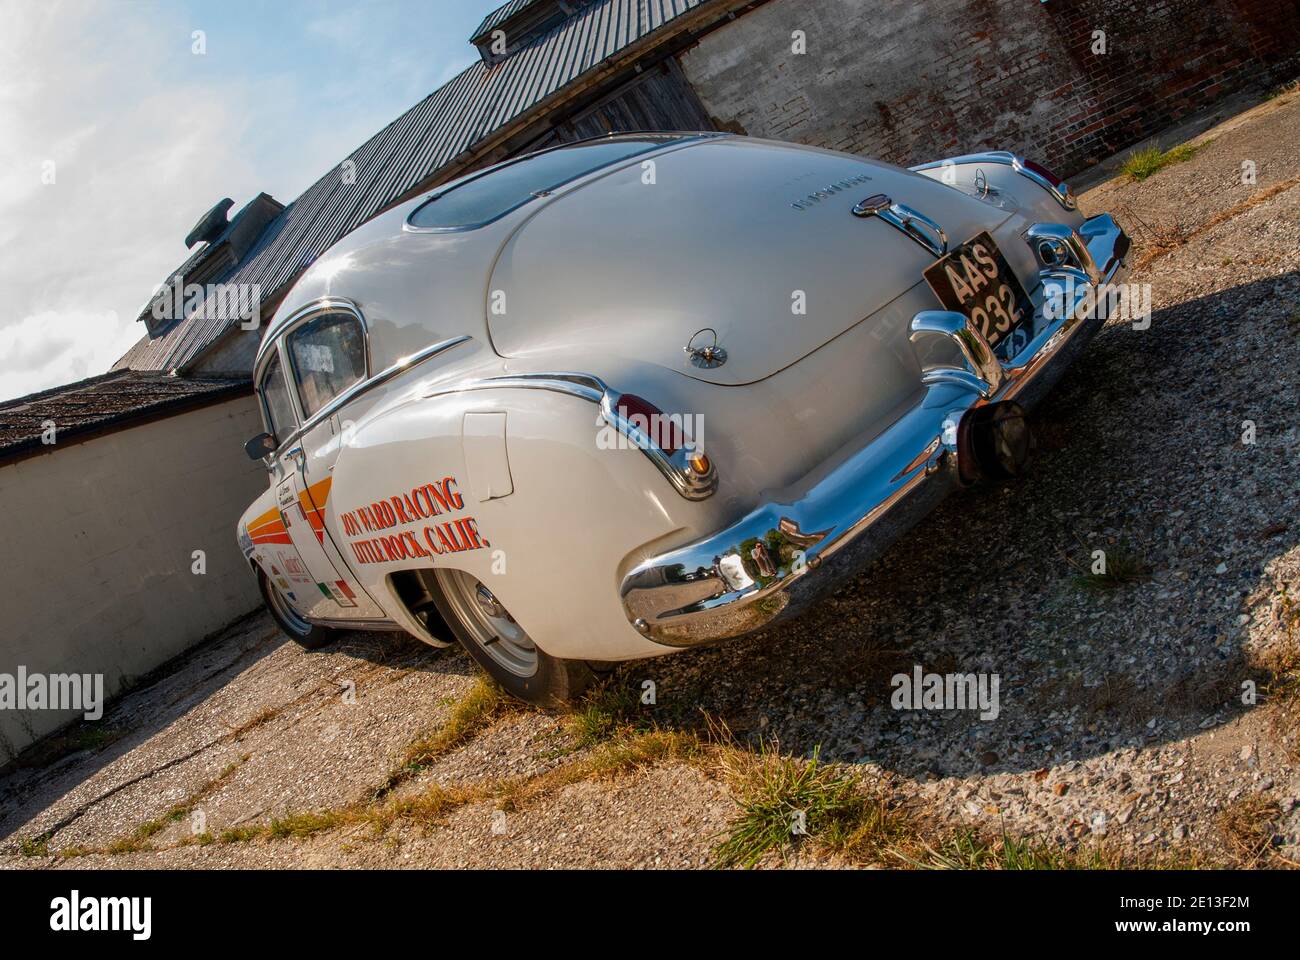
column 1141, row 456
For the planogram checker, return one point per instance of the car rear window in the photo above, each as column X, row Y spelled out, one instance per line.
column 482, row 199
column 328, row 355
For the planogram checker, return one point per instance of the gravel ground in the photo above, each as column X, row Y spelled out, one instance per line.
column 1120, row 713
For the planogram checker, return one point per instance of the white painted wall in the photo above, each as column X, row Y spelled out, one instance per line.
column 97, row 545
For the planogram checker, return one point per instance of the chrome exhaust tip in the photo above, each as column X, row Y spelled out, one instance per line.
column 994, row 442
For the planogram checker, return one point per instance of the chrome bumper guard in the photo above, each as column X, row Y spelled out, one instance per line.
column 778, row 558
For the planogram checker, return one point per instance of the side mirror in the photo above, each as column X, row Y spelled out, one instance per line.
column 260, row 447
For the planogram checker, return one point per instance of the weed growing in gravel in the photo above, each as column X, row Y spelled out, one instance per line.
column 435, row 802
column 85, row 736
column 139, row 838
column 1246, row 827
column 782, row 798
column 1141, row 164
column 38, row 846
column 484, row 703
column 621, row 755
column 969, row 850
column 1122, row 566
column 239, row 834
column 305, row 824
column 1279, row 677
column 611, row 708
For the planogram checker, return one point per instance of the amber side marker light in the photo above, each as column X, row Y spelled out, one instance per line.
column 699, row 463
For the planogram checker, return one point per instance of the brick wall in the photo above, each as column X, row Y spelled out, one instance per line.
column 913, row 80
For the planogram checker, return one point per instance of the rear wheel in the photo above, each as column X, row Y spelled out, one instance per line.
column 302, row 632
column 502, row 646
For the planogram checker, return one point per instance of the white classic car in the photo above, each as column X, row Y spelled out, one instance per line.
column 626, row 396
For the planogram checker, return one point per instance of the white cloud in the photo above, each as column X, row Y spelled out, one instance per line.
column 52, row 347
column 144, row 137
column 134, row 161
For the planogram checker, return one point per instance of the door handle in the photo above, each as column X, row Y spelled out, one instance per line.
column 294, row 453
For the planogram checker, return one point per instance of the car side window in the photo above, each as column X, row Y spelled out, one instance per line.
column 328, row 355
column 279, row 409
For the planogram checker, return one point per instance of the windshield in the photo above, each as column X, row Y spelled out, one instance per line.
column 482, row 199
column 279, row 410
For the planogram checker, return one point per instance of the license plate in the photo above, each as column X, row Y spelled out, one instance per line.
column 975, row 279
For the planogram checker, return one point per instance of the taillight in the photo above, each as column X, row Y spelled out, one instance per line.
column 1042, row 171
column 663, row 430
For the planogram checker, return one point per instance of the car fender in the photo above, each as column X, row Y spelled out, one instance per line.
column 553, row 547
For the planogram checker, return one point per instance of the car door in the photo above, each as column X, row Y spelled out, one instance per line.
column 325, row 353
column 285, row 551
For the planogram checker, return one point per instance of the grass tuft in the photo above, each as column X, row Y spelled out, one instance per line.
column 970, row 850
column 37, row 846
column 1141, row 164
column 1122, row 567
column 1246, row 826
column 482, row 705
column 784, row 798
column 611, row 709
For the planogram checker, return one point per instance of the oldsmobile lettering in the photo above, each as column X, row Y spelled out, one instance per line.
column 817, row 196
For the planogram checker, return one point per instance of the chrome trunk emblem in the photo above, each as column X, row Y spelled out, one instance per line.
column 911, row 222
column 873, row 204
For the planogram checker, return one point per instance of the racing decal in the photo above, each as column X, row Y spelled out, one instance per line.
column 339, row 592
column 293, row 567
column 313, row 501
column 385, row 518
column 268, row 528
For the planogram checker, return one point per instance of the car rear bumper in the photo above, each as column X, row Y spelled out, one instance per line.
column 777, row 559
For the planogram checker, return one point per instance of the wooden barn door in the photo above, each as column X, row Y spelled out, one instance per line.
column 660, row 99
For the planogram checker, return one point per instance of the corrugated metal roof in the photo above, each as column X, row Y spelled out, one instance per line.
column 500, row 15
column 414, row 147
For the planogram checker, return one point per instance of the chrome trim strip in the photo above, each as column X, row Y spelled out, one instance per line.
column 675, row 467
column 382, row 625
column 365, row 386
column 383, row 376
column 1063, row 194
column 301, row 316
column 748, row 575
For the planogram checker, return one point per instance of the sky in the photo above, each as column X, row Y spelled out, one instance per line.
column 117, row 134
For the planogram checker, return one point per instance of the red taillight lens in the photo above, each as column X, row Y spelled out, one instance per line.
column 1042, row 171
column 662, row 429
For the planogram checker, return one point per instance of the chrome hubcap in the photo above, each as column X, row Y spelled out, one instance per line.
column 489, row 604
column 291, row 617
column 489, row 623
